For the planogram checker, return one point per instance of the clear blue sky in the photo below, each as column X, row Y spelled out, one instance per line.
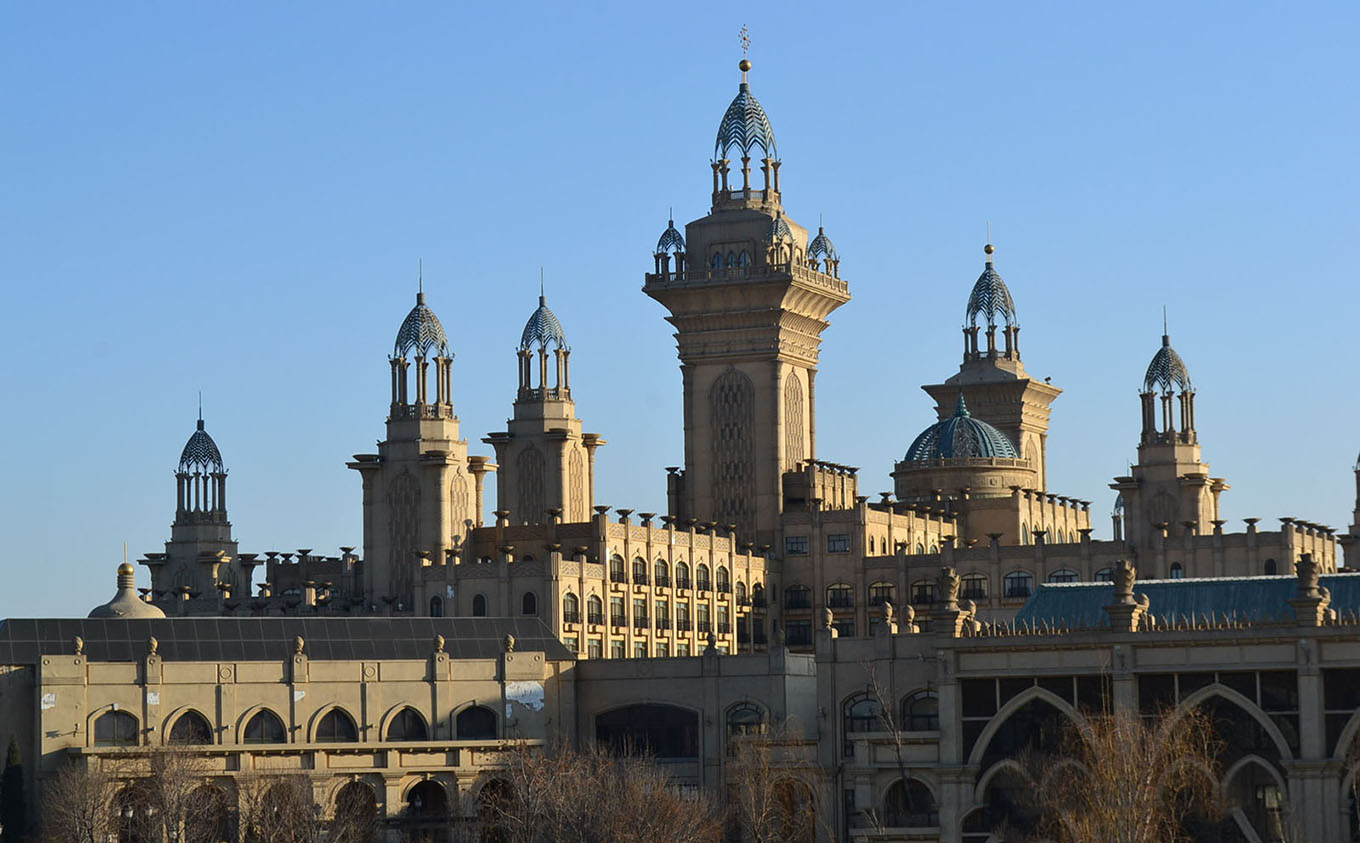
column 234, row 198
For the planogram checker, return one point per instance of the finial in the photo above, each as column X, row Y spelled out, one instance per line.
column 961, row 408
column 200, row 409
column 821, row 223
column 124, row 553
column 670, row 216
column 989, row 248
column 1165, row 333
column 542, row 298
column 745, row 64
column 420, row 281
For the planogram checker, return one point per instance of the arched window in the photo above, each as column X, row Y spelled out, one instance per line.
column 191, row 729
column 934, row 549
column 973, row 587
column 1271, row 568
column 909, row 804
column 436, row 607
column 1024, row 533
column 731, row 259
column 702, row 581
column 797, row 597
column 882, row 592
column 681, row 575
column 1018, row 584
column 356, row 807
column 1177, row 572
column 571, row 608
column 861, row 713
column 616, row 569
column 428, row 802
column 1105, row 575
column 840, row 596
column 724, row 580
column 745, row 259
column 921, row 712
column 640, row 571
column 264, row 727
column 594, row 609
column 115, row 728
column 207, row 814
column 1063, row 575
column 475, row 723
column 758, row 595
column 920, row 549
column 716, row 263
column 663, row 731
column 741, row 593
column 408, row 725
column 528, row 604
column 479, row 606
column 745, row 719
column 923, row 592
column 662, row 573
column 336, row 726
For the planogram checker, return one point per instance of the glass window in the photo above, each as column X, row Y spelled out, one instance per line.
column 1019, row 584
column 616, row 572
column 745, row 719
column 795, row 545
column 191, row 729
column 682, row 648
column 1177, row 572
column 640, row 650
column 571, row 609
column 838, row 543
column 702, row 581
column 594, row 648
column 640, row 571
column 840, row 596
column 663, row 649
column 407, row 725
column 264, row 727
column 862, row 714
column 921, row 711
column 923, row 592
column 529, row 604
column 616, row 615
column 797, row 633
column 1063, row 576
column 595, row 609
column 1105, row 575
column 572, row 643
column 475, row 723
column 882, row 592
column 974, row 587
column 115, row 728
column 724, row 580
column 681, row 575
column 797, row 597
column 662, row 573
column 336, row 726
column 616, row 650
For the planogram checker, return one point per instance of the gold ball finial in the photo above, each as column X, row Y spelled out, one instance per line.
column 989, row 248
column 744, row 65
column 126, row 568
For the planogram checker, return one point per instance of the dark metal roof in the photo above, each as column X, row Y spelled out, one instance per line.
column 670, row 241
column 821, row 246
column 1246, row 598
column 542, row 328
column 961, row 437
column 23, row 640
column 990, row 299
column 200, row 452
column 1167, row 370
column 744, row 125
column 421, row 331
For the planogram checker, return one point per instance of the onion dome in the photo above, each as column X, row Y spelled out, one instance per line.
column 420, row 332
column 1167, row 370
column 961, row 437
column 543, row 328
column 779, row 228
column 125, row 603
column 821, row 246
column 670, row 241
column 200, row 453
column 990, row 298
column 744, row 124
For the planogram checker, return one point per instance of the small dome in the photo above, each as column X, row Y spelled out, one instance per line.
column 779, row 228
column 990, row 298
column 745, row 126
column 961, row 437
column 200, row 453
column 1167, row 370
column 126, row 603
column 542, row 329
column 821, row 246
column 670, row 241
column 420, row 332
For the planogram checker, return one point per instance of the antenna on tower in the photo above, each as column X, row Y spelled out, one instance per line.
column 200, row 405
column 420, row 275
column 1164, row 330
column 541, row 292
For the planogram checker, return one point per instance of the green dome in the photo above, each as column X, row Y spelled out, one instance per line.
column 961, row 437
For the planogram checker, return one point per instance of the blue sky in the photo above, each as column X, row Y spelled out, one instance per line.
column 234, row 198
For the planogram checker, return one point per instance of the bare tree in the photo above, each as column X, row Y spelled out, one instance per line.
column 78, row 804
column 278, row 809
column 768, row 798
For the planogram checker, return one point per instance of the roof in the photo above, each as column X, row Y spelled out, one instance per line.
column 990, row 298
column 821, row 246
column 542, row 328
column 25, row 641
column 744, row 125
column 1246, row 598
column 779, row 228
column 1166, row 370
column 670, row 241
column 200, row 452
column 961, row 437
column 420, row 332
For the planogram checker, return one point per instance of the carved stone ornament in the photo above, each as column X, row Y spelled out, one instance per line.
column 887, row 608
column 439, row 643
column 152, row 645
column 1124, row 577
column 1307, row 571
column 79, row 644
column 828, row 618
column 948, row 586
column 298, row 645
column 509, row 643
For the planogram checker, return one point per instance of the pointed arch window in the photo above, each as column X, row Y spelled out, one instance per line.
column 407, row 725
column 682, row 574
column 594, row 609
column 479, row 606
column 191, row 729
column 702, row 582
column 475, row 723
column 571, row 609
column 264, row 727
column 724, row 580
column 662, row 573
column 115, row 728
column 616, row 569
column 640, row 571
column 336, row 726
column 716, row 263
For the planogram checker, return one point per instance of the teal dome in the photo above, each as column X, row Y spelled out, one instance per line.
column 961, row 437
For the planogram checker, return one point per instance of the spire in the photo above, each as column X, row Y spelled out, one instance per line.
column 961, row 408
column 542, row 297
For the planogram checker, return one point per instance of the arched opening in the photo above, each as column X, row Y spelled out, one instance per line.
column 840, row 596
column 910, row 804
column 1104, row 575
column 973, row 587
column 1007, row 802
column 571, row 608
column 724, row 580
column 407, row 725
column 795, row 814
column 921, row 712
column 923, row 592
column 1036, row 727
column 1018, row 584
column 207, row 815
column 475, row 723
column 134, row 816
column 264, row 726
column 1177, row 572
column 594, row 609
column 702, row 579
column 662, row 573
column 528, row 604
column 355, row 818
column 479, row 606
column 639, row 571
column 861, row 713
column 745, row 719
column 663, row 731
column 682, row 575
column 336, row 726
column 436, row 607
column 191, row 729
column 1272, row 569
column 494, row 800
column 426, row 816
column 616, row 569
column 797, row 597
column 115, row 728
column 1261, row 800
column 1063, row 575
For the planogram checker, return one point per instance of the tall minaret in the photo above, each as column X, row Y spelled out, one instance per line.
column 422, row 492
column 749, row 298
column 547, row 463
column 201, row 552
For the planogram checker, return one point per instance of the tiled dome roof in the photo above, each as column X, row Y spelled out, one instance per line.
column 960, row 437
column 670, row 241
column 821, row 246
column 420, row 332
column 542, row 328
column 744, row 125
column 1167, row 370
column 200, row 452
column 990, row 298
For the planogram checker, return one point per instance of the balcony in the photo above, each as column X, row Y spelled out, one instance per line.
column 663, row 582
column 682, row 625
column 571, row 617
column 663, row 623
column 595, row 618
column 682, row 582
column 618, row 620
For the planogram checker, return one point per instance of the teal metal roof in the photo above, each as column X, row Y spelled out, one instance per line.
column 1245, row 598
column 960, row 437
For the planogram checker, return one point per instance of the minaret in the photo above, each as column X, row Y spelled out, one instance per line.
column 422, row 492
column 547, row 463
column 749, row 299
column 201, row 552
column 992, row 378
column 1170, row 488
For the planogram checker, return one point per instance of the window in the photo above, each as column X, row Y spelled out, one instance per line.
column 336, row 726
column 701, row 578
column 910, row 804
column 639, row 613
column 475, row 723
column 724, row 580
column 115, row 728
column 571, row 609
column 640, row 571
column 716, row 262
column 662, row 573
column 741, row 594
column 663, row 614
column 797, row 633
column 838, row 543
column 616, row 615
column 745, row 259
column 1177, row 572
column 1018, row 584
column 594, row 609
column 745, row 719
column 1271, row 568
column 795, row 545
column 640, row 650
column 724, row 621
column 408, row 725
column 479, row 606
column 1024, row 533
column 529, row 604
column 758, row 596
column 682, row 649
column 920, row 549
column 681, row 575
column 974, row 587
column 572, row 643
column 436, row 607
column 702, row 614
column 845, row 627
column 616, row 573
column 264, row 727
column 663, row 649
column 882, row 592
column 1063, row 576
column 921, row 712
column 860, row 714
column 191, row 729
column 616, row 649
column 923, row 592
column 1105, row 575
column 840, row 596
column 797, row 597
column 595, row 648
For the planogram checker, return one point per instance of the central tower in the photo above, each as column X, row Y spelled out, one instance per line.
column 749, row 297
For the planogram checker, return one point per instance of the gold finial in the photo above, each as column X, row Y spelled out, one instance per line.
column 745, row 37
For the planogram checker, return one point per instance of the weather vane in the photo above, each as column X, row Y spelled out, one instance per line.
column 745, row 37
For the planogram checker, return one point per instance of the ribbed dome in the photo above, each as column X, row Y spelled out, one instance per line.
column 821, row 246
column 1167, row 370
column 744, row 125
column 670, row 241
column 126, row 603
column 779, row 228
column 542, row 329
column 961, row 437
column 990, row 298
column 200, row 452
column 420, row 332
